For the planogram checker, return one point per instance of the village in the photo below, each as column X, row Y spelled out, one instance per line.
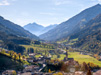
column 38, row 64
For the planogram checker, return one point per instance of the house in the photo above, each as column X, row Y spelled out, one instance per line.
column 41, row 62
column 31, row 68
column 6, row 51
column 32, row 55
column 97, row 73
column 68, row 73
column 49, row 55
column 30, row 59
column 26, row 73
column 79, row 73
column 72, row 66
column 9, row 72
column 25, row 66
column 37, row 73
column 100, row 58
column 72, row 69
column 43, row 59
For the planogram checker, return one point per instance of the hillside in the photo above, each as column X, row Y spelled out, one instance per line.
column 66, row 28
column 38, row 29
column 7, row 63
column 15, row 29
column 11, row 41
column 89, row 38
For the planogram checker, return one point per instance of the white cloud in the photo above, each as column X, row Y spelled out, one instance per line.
column 4, row 2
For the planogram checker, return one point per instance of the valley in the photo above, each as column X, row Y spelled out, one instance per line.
column 72, row 47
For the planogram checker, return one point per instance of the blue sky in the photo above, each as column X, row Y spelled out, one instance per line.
column 44, row 12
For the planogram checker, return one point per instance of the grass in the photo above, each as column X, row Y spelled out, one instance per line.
column 84, row 58
column 36, row 47
column 63, row 41
column 80, row 58
column 37, row 55
column 54, row 57
column 73, row 41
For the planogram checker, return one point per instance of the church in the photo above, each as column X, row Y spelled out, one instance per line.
column 66, row 58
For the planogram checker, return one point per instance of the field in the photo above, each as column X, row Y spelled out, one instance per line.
column 63, row 41
column 38, row 48
column 71, row 42
column 84, row 58
column 80, row 58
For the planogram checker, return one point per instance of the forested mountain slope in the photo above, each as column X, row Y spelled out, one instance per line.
column 15, row 29
column 66, row 28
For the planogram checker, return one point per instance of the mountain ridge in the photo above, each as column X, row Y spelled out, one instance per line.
column 38, row 29
column 19, row 31
column 65, row 28
column 89, row 37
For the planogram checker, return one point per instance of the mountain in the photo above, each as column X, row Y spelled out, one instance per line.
column 11, row 28
column 34, row 28
column 46, row 29
column 38, row 29
column 11, row 41
column 66, row 28
column 89, row 38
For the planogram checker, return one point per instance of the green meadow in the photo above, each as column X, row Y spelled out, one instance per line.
column 80, row 58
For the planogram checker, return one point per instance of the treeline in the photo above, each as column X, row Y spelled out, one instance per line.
column 11, row 42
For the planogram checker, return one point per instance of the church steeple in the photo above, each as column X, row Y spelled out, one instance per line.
column 66, row 58
column 66, row 54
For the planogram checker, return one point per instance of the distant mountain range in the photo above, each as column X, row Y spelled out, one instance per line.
column 38, row 29
column 72, row 25
column 9, row 27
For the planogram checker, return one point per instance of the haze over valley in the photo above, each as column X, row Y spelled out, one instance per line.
column 50, row 37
